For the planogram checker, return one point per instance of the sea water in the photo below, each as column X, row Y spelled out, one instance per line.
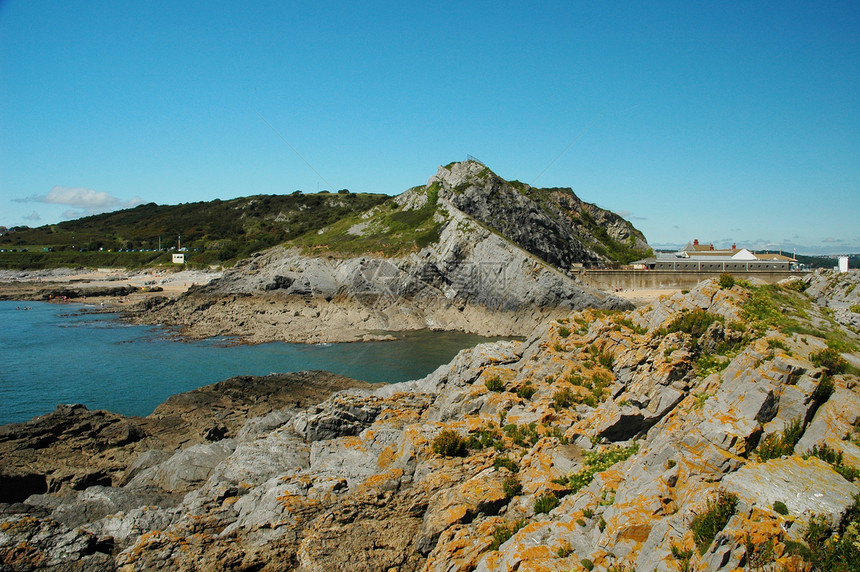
column 52, row 354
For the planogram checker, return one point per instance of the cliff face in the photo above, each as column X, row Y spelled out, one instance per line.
column 709, row 431
column 554, row 224
column 467, row 251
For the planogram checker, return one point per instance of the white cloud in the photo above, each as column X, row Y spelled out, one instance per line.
column 629, row 215
column 33, row 217
column 84, row 201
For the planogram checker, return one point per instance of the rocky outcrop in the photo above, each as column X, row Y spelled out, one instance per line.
column 553, row 224
column 598, row 442
column 839, row 292
column 493, row 270
column 73, row 448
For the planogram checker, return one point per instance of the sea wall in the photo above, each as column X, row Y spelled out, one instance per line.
column 640, row 279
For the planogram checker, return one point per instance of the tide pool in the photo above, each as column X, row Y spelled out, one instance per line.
column 54, row 354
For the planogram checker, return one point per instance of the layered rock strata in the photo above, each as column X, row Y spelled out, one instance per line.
column 480, row 276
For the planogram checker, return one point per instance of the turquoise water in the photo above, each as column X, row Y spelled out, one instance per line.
column 55, row 354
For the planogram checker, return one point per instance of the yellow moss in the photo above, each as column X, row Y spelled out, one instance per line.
column 386, row 457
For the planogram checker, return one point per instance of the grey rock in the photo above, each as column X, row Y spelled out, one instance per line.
column 807, row 487
column 186, row 469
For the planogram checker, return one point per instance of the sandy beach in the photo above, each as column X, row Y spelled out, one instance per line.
column 645, row 296
column 22, row 284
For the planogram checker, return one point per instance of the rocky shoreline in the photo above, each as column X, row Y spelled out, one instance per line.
column 73, row 448
column 597, row 443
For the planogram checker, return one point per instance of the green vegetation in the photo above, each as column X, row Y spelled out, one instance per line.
column 791, row 312
column 563, row 398
column 587, row 564
column 545, row 503
column 563, row 331
column 780, row 508
column 494, row 383
column 726, row 281
column 830, row 360
column 710, row 363
column 526, row 391
column 774, row 446
column 707, row 525
column 628, row 323
column 504, row 532
column 826, row 548
column 490, row 436
column 605, row 359
column 607, row 497
column 522, row 435
column 507, row 463
column 597, row 390
column 694, row 323
column 619, row 251
column 449, row 444
column 683, row 557
column 213, row 232
column 834, row 459
column 597, row 462
column 392, row 231
column 512, row 487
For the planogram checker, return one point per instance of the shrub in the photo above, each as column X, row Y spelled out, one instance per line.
column 796, row 285
column 509, row 464
column 545, row 503
column 708, row 364
column 495, row 383
column 449, row 444
column 682, row 556
column 587, row 564
column 606, row 359
column 775, row 446
column 504, row 532
column 829, row 549
column 512, row 487
column 488, row 437
column 563, row 331
column 825, row 389
column 707, row 525
column 627, row 323
column 596, row 462
column 780, row 508
column 855, row 308
column 522, row 435
column 694, row 323
column 526, row 391
column 829, row 359
column 834, row 459
column 726, row 281
column 563, row 398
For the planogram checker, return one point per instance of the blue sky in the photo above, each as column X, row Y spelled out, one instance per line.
column 724, row 121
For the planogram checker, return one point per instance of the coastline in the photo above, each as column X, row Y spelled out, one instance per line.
column 171, row 299
column 80, row 447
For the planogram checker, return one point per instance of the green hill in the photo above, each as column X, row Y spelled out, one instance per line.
column 214, row 232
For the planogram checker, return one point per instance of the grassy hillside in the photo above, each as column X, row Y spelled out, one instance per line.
column 391, row 229
column 213, row 232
